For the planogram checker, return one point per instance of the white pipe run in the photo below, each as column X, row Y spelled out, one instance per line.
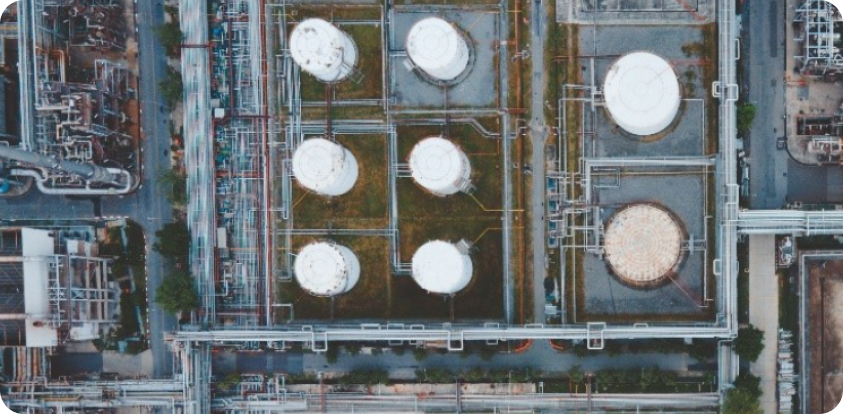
column 40, row 181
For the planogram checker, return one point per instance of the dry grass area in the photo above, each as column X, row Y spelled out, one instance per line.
column 365, row 206
column 826, row 330
column 369, row 299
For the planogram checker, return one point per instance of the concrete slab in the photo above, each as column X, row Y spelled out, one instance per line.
column 764, row 313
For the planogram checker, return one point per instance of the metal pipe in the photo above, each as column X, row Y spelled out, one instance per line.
column 89, row 172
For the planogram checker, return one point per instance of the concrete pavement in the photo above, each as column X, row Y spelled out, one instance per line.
column 764, row 313
column 538, row 134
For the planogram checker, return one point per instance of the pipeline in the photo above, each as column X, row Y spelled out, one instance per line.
column 89, row 172
column 40, row 182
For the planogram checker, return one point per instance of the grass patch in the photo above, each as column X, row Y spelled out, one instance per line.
column 365, row 206
column 369, row 63
column 333, row 12
column 368, row 299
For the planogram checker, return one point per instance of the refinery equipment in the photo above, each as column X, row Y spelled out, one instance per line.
column 442, row 267
column 440, row 166
column 327, row 269
column 438, row 49
column 642, row 93
column 643, row 244
column 325, row 167
column 323, row 50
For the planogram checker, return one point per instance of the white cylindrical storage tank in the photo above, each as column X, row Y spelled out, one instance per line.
column 642, row 93
column 324, row 167
column 441, row 267
column 437, row 48
column 326, row 269
column 439, row 166
column 323, row 50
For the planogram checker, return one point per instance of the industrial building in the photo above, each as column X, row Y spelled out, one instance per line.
column 78, row 122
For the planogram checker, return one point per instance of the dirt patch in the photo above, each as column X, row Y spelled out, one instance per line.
column 826, row 327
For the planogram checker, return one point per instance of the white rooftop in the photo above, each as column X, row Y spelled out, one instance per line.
column 38, row 246
column 436, row 47
column 643, row 244
column 642, row 93
column 324, row 167
column 326, row 269
column 322, row 49
column 440, row 267
column 439, row 166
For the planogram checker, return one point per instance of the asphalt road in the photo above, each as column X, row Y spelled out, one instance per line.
column 538, row 134
column 149, row 206
column 763, row 47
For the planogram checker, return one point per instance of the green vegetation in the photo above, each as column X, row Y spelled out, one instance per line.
column 228, row 382
column 749, row 343
column 173, row 241
column 700, row 349
column 365, row 377
column 575, row 374
column 172, row 88
column 743, row 399
column 177, row 293
column 420, row 354
column 170, row 36
column 746, row 117
column 176, row 181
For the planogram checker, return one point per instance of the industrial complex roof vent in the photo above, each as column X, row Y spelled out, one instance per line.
column 323, row 50
column 441, row 267
column 324, row 167
column 437, row 48
column 642, row 93
column 643, row 244
column 439, row 166
column 326, row 269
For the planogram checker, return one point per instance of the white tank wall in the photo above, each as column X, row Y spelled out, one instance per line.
column 440, row 166
column 642, row 93
column 440, row 267
column 437, row 48
column 325, row 167
column 326, row 269
column 323, row 50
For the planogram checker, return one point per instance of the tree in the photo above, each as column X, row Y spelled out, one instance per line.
column 749, row 343
column 171, row 37
column 746, row 116
column 353, row 348
column 739, row 401
column 332, row 354
column 419, row 354
column 177, row 293
column 172, row 88
column 177, row 183
column 575, row 374
column 750, row 384
column 173, row 241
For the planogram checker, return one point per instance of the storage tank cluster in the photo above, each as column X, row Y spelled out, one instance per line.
column 323, row 50
column 642, row 93
column 434, row 46
column 327, row 269
column 438, row 49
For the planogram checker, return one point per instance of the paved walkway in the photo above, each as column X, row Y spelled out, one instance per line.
column 764, row 313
